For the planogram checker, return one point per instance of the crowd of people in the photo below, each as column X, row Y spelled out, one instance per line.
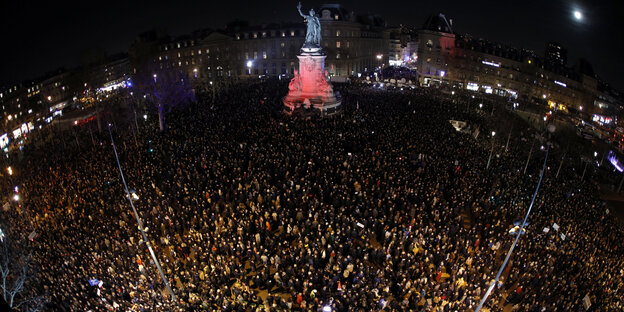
column 384, row 206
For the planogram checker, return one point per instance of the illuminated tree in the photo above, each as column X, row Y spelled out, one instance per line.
column 166, row 89
column 14, row 273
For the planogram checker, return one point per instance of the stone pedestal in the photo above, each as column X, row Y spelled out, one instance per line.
column 309, row 89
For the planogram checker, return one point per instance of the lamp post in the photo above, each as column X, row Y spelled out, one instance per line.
column 529, row 158
column 491, row 151
column 249, row 65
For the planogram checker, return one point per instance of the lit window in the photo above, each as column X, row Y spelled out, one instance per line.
column 264, row 55
column 264, row 34
column 179, row 63
column 208, row 51
column 282, row 44
column 348, row 44
column 160, row 58
column 336, row 16
column 337, row 33
column 246, row 55
column 199, row 51
column 292, row 33
column 337, row 55
column 255, row 35
column 255, row 55
column 283, row 34
column 337, row 44
column 178, row 54
column 178, row 45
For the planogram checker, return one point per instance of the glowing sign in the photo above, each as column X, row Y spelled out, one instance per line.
column 4, row 140
column 601, row 119
column 472, row 86
column 491, row 63
column 561, row 83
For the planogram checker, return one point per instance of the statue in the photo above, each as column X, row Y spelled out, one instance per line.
column 313, row 33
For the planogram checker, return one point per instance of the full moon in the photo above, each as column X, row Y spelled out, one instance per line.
column 578, row 15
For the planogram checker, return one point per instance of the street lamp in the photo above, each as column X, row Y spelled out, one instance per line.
column 379, row 56
column 491, row 151
column 16, row 197
column 155, row 77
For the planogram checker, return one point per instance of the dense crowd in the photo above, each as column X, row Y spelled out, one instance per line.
column 383, row 207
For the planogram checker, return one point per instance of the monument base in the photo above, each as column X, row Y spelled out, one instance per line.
column 309, row 90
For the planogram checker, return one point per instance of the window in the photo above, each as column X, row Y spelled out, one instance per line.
column 264, row 55
column 338, row 56
column 283, row 34
column 255, row 55
column 336, row 16
column 264, row 34
column 246, row 55
column 178, row 54
column 255, row 35
column 348, row 44
column 178, row 45
column 199, row 51
column 282, row 44
column 292, row 33
column 337, row 33
column 337, row 44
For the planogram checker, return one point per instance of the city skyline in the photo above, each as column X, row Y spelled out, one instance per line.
column 57, row 36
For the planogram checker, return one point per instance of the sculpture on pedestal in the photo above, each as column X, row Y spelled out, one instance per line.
column 310, row 88
column 313, row 33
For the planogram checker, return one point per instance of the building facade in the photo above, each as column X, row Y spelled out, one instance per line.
column 353, row 44
column 445, row 57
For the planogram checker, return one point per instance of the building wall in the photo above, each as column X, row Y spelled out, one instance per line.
column 442, row 59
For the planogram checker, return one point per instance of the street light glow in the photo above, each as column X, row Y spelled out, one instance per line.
column 379, row 56
column 16, row 197
column 493, row 133
column 327, row 309
column 249, row 64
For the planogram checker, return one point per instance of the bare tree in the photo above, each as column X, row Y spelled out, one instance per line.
column 14, row 270
column 166, row 89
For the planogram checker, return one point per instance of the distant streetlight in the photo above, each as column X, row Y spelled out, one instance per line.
column 379, row 56
column 155, row 77
column 145, row 117
column 16, row 197
column 249, row 64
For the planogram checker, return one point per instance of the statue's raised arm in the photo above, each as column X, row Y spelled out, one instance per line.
column 299, row 9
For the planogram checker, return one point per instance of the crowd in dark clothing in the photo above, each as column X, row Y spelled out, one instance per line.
column 384, row 206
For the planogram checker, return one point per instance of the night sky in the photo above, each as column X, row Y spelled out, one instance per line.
column 39, row 37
